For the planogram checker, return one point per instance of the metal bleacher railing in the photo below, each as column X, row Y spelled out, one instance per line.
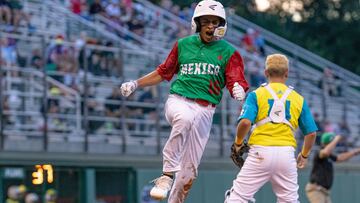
column 306, row 68
column 55, row 19
column 301, row 54
column 118, row 125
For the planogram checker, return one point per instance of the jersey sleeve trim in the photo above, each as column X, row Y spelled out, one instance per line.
column 170, row 66
column 306, row 121
column 250, row 108
column 234, row 72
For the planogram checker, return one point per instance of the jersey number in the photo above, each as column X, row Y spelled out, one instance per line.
column 214, row 87
column 287, row 108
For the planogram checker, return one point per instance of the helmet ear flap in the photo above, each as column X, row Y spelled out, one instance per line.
column 198, row 26
column 195, row 25
column 222, row 22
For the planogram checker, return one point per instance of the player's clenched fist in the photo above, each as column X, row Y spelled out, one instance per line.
column 238, row 92
column 128, row 88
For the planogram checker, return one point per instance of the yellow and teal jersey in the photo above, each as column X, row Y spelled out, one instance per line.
column 257, row 107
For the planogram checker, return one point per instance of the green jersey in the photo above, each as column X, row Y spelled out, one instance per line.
column 203, row 70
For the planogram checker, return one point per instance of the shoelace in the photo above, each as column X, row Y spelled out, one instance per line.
column 162, row 182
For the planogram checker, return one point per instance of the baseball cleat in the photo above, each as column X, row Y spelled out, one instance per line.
column 161, row 188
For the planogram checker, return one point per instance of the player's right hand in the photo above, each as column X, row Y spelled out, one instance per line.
column 301, row 161
column 128, row 88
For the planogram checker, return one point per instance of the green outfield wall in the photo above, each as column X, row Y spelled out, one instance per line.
column 92, row 178
column 211, row 185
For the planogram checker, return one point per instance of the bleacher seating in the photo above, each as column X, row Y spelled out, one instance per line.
column 78, row 123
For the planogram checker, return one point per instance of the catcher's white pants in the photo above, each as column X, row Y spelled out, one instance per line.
column 276, row 164
column 191, row 124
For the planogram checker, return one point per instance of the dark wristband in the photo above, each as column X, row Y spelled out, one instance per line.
column 238, row 145
column 305, row 157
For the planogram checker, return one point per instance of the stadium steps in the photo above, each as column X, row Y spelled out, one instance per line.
column 135, row 67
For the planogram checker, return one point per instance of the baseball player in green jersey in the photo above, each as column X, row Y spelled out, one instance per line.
column 204, row 64
column 276, row 111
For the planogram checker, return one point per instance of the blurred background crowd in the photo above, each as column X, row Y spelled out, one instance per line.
column 62, row 62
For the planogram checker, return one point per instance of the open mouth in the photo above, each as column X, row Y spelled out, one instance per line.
column 209, row 33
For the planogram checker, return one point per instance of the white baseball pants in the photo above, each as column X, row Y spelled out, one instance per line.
column 276, row 164
column 191, row 124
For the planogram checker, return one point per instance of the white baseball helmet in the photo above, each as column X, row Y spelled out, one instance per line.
column 209, row 7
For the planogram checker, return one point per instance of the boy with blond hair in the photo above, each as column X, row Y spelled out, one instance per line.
column 273, row 112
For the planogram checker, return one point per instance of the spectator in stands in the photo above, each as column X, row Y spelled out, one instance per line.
column 330, row 126
column 54, row 123
column 176, row 10
column 111, row 62
column 113, row 109
column 55, row 104
column 128, row 4
column 137, row 25
column 22, row 192
column 92, row 106
column 13, row 194
column 322, row 172
column 96, row 8
column 255, row 70
column 8, row 52
column 259, row 43
column 80, row 43
column 13, row 103
column 18, row 15
column 127, row 13
column 113, row 11
column 181, row 32
column 98, row 64
column 166, row 4
column 134, row 111
column 75, row 6
column 36, row 60
column 150, row 95
column 71, row 77
column 339, row 86
column 5, row 12
column 187, row 12
column 32, row 198
column 68, row 65
column 247, row 41
column 344, row 130
column 85, row 10
column 54, row 53
column 328, row 83
column 113, row 105
column 50, row 196
column 14, row 100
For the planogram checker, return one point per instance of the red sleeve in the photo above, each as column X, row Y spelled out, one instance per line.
column 171, row 65
column 234, row 72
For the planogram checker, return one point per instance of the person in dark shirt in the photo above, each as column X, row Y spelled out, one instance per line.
column 96, row 8
column 113, row 106
column 322, row 172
